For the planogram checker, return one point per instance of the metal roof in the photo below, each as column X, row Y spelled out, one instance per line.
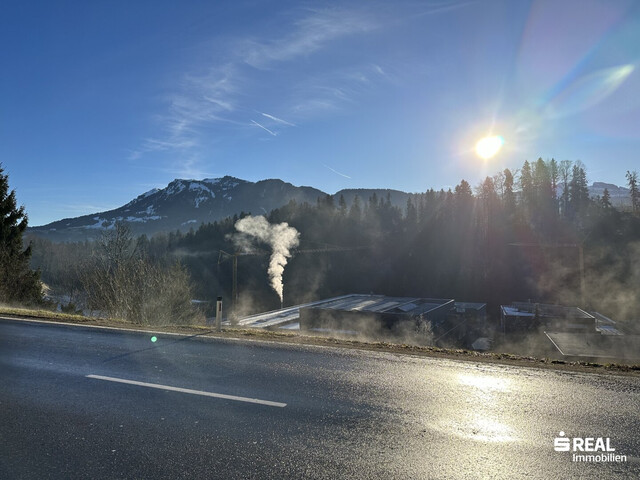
column 547, row 310
column 594, row 345
column 353, row 302
column 382, row 304
column 518, row 309
column 515, row 312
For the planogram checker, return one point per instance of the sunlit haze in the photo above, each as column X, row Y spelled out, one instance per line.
column 105, row 102
column 488, row 147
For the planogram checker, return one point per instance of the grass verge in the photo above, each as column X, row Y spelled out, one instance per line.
column 302, row 339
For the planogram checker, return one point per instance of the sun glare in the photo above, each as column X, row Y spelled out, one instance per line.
column 488, row 147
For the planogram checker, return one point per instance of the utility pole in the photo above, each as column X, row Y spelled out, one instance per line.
column 234, row 275
column 234, row 278
column 234, row 285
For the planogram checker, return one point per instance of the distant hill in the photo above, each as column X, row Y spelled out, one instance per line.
column 619, row 195
column 183, row 204
column 186, row 204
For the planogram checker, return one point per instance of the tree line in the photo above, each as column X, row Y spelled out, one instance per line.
column 515, row 236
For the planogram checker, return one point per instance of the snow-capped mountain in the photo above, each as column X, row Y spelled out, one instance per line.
column 181, row 205
column 186, row 204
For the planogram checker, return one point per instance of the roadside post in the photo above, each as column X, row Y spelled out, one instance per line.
column 219, row 314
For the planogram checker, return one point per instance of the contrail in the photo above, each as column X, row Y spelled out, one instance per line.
column 335, row 171
column 276, row 119
column 264, row 128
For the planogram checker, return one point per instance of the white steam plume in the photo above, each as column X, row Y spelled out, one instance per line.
column 281, row 237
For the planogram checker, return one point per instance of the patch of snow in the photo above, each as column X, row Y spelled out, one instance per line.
column 205, row 192
column 189, row 221
column 150, row 210
column 175, row 187
column 98, row 224
column 149, row 193
column 200, row 199
column 143, row 219
column 230, row 185
column 142, row 197
column 199, row 187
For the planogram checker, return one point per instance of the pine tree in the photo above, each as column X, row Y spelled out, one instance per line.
column 355, row 212
column 509, row 198
column 527, row 188
column 564, row 173
column 632, row 181
column 411, row 214
column 554, row 173
column 18, row 283
column 578, row 190
column 605, row 201
column 342, row 206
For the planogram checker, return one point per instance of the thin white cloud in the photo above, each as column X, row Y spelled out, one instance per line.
column 205, row 100
column 85, row 207
column 188, row 168
column 264, row 128
column 444, row 7
column 378, row 69
column 276, row 119
column 309, row 34
column 334, row 90
column 337, row 172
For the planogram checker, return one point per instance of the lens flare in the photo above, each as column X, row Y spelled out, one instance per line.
column 488, row 147
column 154, row 339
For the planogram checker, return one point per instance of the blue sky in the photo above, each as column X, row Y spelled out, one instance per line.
column 104, row 100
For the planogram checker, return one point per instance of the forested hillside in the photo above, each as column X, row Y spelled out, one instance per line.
column 510, row 238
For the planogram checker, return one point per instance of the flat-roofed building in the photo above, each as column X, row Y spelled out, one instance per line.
column 596, row 346
column 375, row 314
column 526, row 317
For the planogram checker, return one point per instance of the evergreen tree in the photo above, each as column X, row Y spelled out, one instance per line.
column 578, row 190
column 18, row 283
column 565, row 173
column 355, row 212
column 605, row 201
column 489, row 201
column 342, row 206
column 527, row 188
column 508, row 197
column 463, row 191
column 632, row 181
column 554, row 173
column 412, row 214
column 542, row 182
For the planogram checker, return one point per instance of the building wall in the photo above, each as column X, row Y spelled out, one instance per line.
column 368, row 323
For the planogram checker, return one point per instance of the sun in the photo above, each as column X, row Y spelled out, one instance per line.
column 488, row 147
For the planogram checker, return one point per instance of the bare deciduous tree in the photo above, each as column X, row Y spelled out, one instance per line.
column 124, row 284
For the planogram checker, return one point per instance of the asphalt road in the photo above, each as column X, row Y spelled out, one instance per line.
column 348, row 414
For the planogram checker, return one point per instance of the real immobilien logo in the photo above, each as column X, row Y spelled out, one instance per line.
column 592, row 449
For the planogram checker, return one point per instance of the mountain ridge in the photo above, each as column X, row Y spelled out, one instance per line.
column 186, row 203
